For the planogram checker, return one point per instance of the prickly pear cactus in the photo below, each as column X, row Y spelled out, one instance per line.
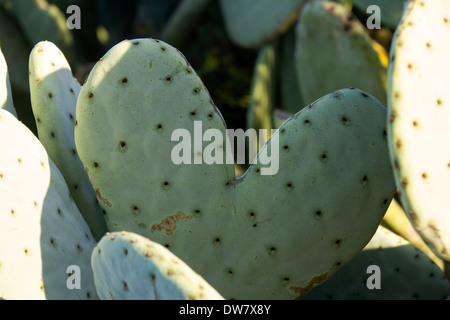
column 252, row 24
column 275, row 232
column 127, row 266
column 42, row 233
column 334, row 51
column 262, row 92
column 6, row 99
column 54, row 92
column 405, row 273
column 40, row 21
column 418, row 129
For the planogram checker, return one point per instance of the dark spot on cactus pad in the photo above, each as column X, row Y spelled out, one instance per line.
column 136, row 43
column 188, row 70
column 52, row 134
column 50, row 95
column 52, row 241
column 74, row 152
column 125, row 251
column 125, row 286
column 365, row 179
column 169, row 79
column 13, row 212
column 169, row 224
column 193, row 114
column 415, row 123
column 446, row 20
column 196, row 91
column 286, row 280
column 324, row 157
column 405, row 182
column 163, row 49
column 428, row 44
column 38, row 120
column 398, row 143
column 258, row 170
column 365, row 95
column 347, row 27
column 307, row 123
column 338, row 264
column 338, row 242
column 230, row 272
column 71, row 116
column 385, row 201
column 197, row 212
column 410, row 66
column 272, row 251
column 289, row 186
column 424, row 175
column 217, row 240
column 228, row 184
column 301, row 291
column 210, row 116
column 159, row 127
column 318, row 214
column 19, row 160
column 90, row 95
column 79, row 247
column 254, row 225
column 124, row 80
column 135, row 209
column 170, row 272
column 75, row 187
column 95, row 165
column 26, row 251
column 286, row 147
column 166, row 185
column 346, row 121
column 439, row 102
column 60, row 213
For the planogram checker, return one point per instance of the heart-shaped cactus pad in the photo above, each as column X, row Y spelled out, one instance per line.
column 157, row 154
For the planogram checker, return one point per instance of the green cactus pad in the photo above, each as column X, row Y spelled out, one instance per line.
column 54, row 93
column 406, row 273
column 127, row 266
column 6, row 99
column 334, row 51
column 42, row 233
column 250, row 24
column 41, row 20
column 259, row 236
column 418, row 130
